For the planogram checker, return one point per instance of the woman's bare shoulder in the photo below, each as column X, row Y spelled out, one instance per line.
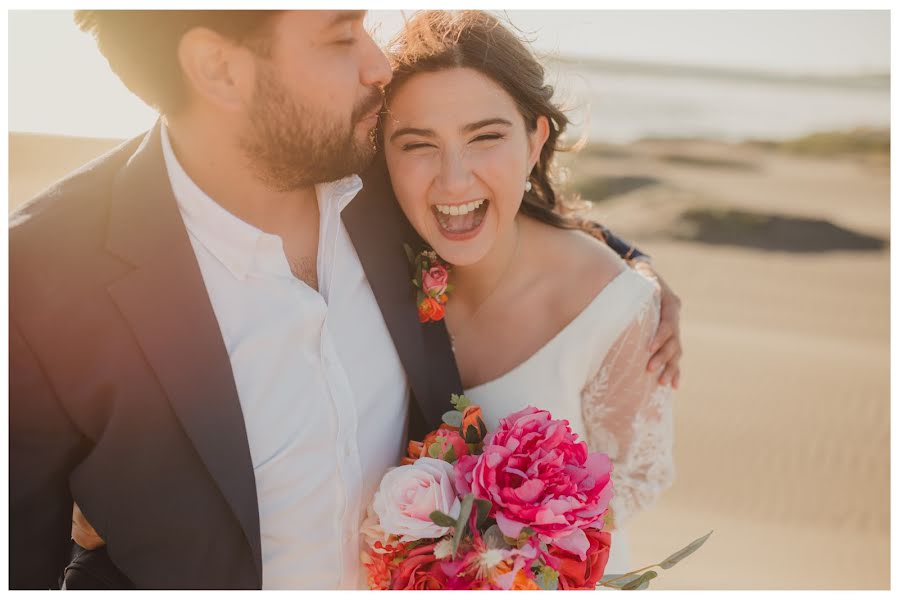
column 575, row 267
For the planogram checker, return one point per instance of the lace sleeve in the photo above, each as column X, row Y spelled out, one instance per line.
column 627, row 415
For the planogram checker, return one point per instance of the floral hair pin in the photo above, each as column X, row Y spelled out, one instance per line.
column 430, row 275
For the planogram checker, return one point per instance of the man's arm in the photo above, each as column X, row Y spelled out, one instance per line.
column 622, row 248
column 44, row 447
column 666, row 347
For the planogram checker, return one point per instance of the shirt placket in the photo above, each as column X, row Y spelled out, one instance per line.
column 348, row 461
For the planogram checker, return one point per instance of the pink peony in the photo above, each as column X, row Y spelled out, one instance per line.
column 538, row 475
column 433, row 281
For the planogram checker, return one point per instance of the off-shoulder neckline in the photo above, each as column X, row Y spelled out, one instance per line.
column 562, row 333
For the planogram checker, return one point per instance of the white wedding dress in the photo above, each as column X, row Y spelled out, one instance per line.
column 593, row 373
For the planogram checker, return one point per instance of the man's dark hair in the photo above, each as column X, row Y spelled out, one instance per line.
column 141, row 46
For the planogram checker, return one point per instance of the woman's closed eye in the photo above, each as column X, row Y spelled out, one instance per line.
column 488, row 137
column 484, row 137
column 416, row 146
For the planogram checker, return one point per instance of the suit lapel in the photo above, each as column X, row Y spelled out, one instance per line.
column 166, row 304
column 378, row 229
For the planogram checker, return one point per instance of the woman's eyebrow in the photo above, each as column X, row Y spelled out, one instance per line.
column 412, row 131
column 484, row 123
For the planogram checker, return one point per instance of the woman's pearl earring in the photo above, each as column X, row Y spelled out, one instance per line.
column 527, row 185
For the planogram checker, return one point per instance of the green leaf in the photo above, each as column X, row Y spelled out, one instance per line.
column 687, row 551
column 471, row 435
column 525, row 534
column 495, row 539
column 410, row 255
column 450, row 455
column 483, row 507
column 442, row 519
column 617, row 584
column 453, row 418
column 547, row 578
column 482, row 427
column 622, row 580
column 460, row 402
column 462, row 521
column 434, row 451
column 641, row 582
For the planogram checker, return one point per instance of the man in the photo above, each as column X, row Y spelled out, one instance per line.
column 212, row 334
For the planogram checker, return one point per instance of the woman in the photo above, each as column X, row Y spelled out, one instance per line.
column 541, row 313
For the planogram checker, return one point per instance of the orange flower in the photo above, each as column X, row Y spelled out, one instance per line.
column 378, row 570
column 521, row 581
column 430, row 310
column 413, row 452
column 470, row 418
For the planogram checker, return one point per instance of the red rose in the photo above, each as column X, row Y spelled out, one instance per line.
column 420, row 570
column 577, row 574
column 445, row 438
column 430, row 310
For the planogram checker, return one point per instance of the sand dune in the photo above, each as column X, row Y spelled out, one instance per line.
column 782, row 420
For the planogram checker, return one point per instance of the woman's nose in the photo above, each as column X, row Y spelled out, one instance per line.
column 455, row 175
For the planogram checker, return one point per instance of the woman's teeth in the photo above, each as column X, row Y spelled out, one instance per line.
column 459, row 209
column 459, row 219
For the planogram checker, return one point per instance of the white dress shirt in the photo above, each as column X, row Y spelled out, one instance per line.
column 323, row 393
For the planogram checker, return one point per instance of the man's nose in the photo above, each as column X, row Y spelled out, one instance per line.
column 376, row 69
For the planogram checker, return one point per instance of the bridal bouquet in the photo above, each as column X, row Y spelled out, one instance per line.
column 519, row 508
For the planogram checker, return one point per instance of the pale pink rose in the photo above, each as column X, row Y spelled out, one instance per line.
column 410, row 493
column 433, row 282
column 538, row 475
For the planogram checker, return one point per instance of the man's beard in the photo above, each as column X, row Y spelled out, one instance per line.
column 290, row 147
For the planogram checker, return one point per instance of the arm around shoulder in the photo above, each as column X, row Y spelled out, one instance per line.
column 628, row 416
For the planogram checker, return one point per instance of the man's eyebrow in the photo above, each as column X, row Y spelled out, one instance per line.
column 465, row 128
column 343, row 16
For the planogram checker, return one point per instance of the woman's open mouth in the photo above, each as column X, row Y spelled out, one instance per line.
column 460, row 221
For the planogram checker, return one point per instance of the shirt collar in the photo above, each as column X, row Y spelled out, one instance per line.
column 241, row 247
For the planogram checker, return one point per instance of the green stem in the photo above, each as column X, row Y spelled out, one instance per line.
column 606, row 583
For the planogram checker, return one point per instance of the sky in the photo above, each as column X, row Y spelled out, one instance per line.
column 59, row 83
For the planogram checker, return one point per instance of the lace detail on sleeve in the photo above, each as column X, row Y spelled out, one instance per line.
column 628, row 416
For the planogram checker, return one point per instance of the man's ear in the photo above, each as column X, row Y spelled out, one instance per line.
column 536, row 141
column 216, row 69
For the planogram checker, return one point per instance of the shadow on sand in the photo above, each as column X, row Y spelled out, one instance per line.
column 768, row 232
column 598, row 189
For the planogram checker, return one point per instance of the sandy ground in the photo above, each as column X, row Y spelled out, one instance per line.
column 782, row 420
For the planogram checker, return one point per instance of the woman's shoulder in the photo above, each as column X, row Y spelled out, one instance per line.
column 575, row 266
